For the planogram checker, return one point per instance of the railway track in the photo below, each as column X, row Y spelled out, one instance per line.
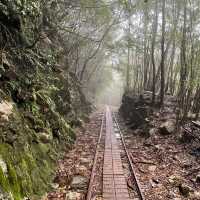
column 113, row 176
column 95, row 184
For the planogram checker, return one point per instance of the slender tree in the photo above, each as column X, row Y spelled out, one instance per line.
column 162, row 65
column 154, row 32
column 183, row 69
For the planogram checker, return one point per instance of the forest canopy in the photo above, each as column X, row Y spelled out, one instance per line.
column 155, row 44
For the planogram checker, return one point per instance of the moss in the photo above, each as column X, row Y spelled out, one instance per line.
column 5, row 150
column 41, row 150
column 4, row 181
column 46, row 171
column 24, row 178
column 67, row 131
column 39, row 187
column 14, row 183
column 40, row 167
column 43, row 99
column 31, row 163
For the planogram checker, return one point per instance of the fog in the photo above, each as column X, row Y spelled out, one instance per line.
column 112, row 94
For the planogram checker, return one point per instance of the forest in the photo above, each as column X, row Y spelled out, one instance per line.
column 99, row 99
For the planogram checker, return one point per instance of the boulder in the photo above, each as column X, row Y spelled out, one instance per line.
column 167, row 127
column 136, row 109
column 79, row 182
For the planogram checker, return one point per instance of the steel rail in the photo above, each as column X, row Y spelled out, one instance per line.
column 89, row 192
column 141, row 196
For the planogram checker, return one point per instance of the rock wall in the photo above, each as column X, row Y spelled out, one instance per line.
column 38, row 108
column 40, row 102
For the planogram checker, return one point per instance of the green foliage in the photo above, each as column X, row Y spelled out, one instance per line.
column 13, row 182
column 4, row 181
column 25, row 179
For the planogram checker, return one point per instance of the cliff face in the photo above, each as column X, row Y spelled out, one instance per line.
column 40, row 103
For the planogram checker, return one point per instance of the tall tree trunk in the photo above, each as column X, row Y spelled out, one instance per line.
column 171, row 68
column 176, row 17
column 128, row 58
column 162, row 66
column 183, row 70
column 128, row 64
column 154, row 32
column 145, row 64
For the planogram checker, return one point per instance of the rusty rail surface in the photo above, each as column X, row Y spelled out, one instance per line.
column 89, row 192
column 140, row 193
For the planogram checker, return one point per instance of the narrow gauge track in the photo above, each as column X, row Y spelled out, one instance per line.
column 95, row 183
column 108, row 168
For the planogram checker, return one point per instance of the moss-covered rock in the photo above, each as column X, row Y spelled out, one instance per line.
column 46, row 100
column 46, row 105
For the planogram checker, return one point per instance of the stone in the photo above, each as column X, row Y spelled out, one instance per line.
column 5, row 110
column 45, row 137
column 154, row 183
column 74, row 196
column 185, row 189
column 79, row 182
column 5, row 196
column 175, row 180
column 153, row 131
column 3, row 165
column 167, row 127
column 198, row 178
